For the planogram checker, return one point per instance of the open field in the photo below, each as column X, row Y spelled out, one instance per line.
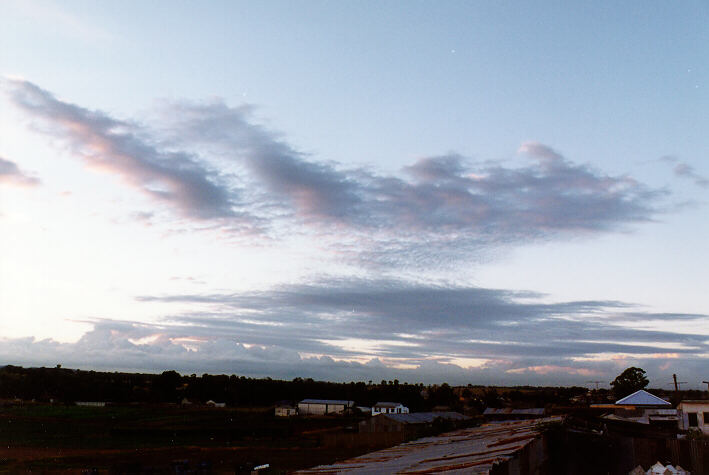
column 158, row 438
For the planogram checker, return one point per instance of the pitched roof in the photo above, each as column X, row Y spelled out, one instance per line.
column 533, row 411
column 642, row 398
column 327, row 401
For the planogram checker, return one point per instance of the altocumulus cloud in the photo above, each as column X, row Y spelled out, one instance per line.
column 369, row 329
column 210, row 161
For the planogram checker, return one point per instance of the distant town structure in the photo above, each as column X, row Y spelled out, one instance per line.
column 91, row 403
column 215, row 404
column 694, row 415
column 323, row 406
column 389, row 408
column 285, row 409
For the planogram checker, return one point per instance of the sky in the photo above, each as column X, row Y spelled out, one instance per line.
column 470, row 192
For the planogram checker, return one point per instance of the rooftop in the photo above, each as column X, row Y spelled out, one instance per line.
column 642, row 398
column 425, row 417
column 474, row 450
column 327, row 401
column 388, row 404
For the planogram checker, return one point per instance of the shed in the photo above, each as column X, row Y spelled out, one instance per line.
column 324, row 406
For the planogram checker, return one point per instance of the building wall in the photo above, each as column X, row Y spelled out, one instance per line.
column 286, row 411
column 390, row 410
column 700, row 409
column 320, row 408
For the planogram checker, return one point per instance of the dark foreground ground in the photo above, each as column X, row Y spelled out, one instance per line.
column 163, row 439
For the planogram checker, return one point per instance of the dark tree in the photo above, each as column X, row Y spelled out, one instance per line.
column 629, row 381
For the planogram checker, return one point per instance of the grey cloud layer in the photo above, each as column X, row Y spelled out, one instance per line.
column 416, row 322
column 265, row 334
column 436, row 205
column 11, row 174
column 435, row 195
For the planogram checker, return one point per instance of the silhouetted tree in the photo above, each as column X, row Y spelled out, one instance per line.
column 629, row 381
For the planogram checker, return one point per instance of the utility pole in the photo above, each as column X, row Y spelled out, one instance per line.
column 677, row 383
column 707, row 383
column 598, row 382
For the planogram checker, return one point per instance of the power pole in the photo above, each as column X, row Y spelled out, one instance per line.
column 677, row 383
column 707, row 383
column 595, row 382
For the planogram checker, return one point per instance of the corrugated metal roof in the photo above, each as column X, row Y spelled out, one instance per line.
column 536, row 411
column 326, row 401
column 642, row 398
column 474, row 450
column 425, row 417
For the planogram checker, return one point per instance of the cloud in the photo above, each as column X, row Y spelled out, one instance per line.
column 686, row 171
column 10, row 174
column 444, row 194
column 123, row 149
column 404, row 323
column 211, row 161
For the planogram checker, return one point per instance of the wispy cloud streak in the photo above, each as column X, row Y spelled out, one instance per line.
column 686, row 171
column 120, row 148
column 10, row 174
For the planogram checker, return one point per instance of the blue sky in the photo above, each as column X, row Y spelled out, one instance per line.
column 464, row 191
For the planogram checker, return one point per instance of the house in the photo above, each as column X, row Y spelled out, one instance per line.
column 389, row 408
column 657, row 415
column 694, row 415
column 323, row 406
column 285, row 409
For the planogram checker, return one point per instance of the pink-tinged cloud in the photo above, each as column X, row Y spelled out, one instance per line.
column 123, row 149
column 10, row 174
column 553, row 369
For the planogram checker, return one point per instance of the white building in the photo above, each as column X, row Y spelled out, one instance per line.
column 323, row 406
column 389, row 408
column 285, row 410
column 694, row 415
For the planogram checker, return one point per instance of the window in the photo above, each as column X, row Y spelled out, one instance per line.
column 706, row 418
column 692, row 418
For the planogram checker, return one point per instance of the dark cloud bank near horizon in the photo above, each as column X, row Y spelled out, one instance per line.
column 429, row 328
